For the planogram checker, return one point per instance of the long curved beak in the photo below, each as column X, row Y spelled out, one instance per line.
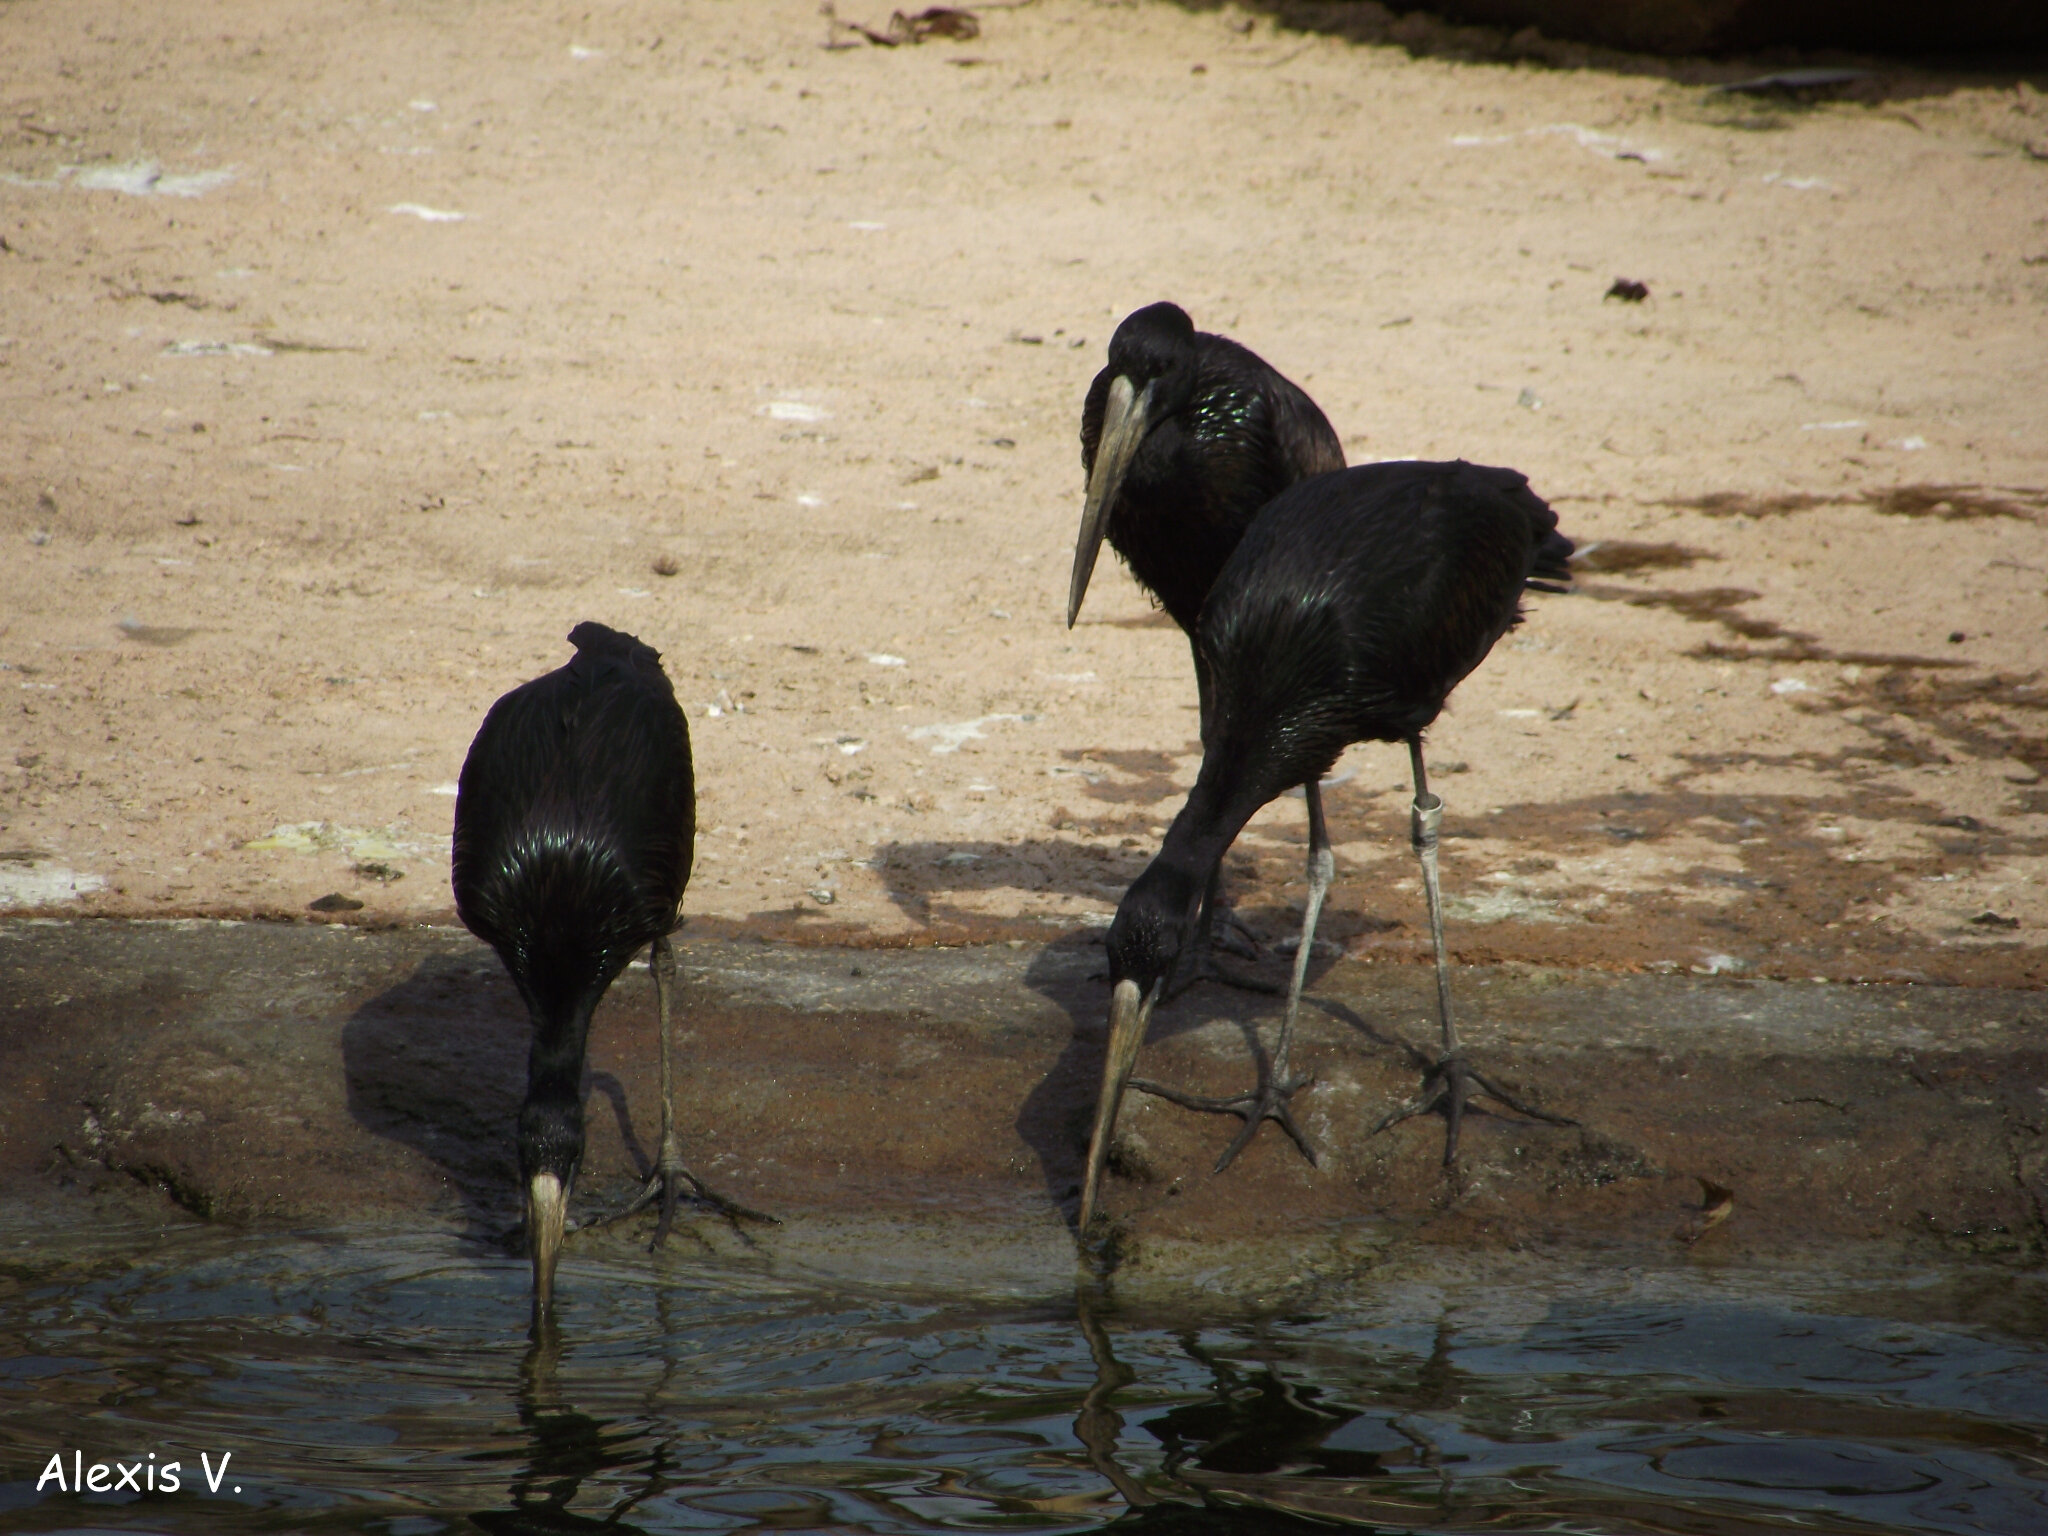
column 1123, row 428
column 547, row 1210
column 1129, row 1013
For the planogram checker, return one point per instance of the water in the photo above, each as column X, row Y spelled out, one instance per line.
column 384, row 1384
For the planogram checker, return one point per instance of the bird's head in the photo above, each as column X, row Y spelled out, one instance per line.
column 1156, row 346
column 1151, row 928
column 1149, row 377
column 550, row 1148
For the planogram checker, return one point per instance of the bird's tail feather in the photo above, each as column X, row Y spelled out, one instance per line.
column 1553, row 572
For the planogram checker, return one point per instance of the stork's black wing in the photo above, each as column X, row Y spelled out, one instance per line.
column 1356, row 602
column 575, row 817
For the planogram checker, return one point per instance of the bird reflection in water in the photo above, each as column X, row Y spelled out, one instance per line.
column 1099, row 1426
column 564, row 1447
column 1258, row 1452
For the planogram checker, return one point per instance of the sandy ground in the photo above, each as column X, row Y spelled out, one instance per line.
column 350, row 354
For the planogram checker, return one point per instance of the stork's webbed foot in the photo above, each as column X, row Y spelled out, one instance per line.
column 671, row 1183
column 1451, row 1086
column 1255, row 1106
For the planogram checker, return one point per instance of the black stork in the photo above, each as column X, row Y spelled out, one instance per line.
column 575, row 824
column 1352, row 607
column 1184, row 436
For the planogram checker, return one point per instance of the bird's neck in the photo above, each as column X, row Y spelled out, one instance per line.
column 1216, row 810
column 1195, row 844
column 1192, row 848
column 554, row 1061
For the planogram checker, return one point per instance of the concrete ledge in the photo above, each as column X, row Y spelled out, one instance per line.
column 921, row 1114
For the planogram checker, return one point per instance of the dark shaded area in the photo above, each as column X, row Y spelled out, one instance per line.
column 1053, row 1120
column 1258, row 1425
column 1720, row 605
column 1158, row 618
column 1546, row 29
column 437, row 1063
column 1733, row 26
column 565, row 1447
column 915, row 874
column 1958, row 710
column 1146, row 787
column 1149, row 776
column 1805, row 910
column 1259, row 1422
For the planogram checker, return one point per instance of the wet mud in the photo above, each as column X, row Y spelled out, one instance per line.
column 922, row 1114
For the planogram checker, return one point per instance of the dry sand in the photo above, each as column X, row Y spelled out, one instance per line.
column 350, row 354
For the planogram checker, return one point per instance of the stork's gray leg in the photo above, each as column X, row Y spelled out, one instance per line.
column 1322, row 869
column 1268, row 1100
column 670, row 1174
column 1452, row 1081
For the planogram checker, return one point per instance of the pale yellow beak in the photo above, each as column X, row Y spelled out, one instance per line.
column 1124, row 419
column 547, row 1211
column 1129, row 1013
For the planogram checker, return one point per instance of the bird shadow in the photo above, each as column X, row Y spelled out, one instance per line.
column 1132, row 786
column 1386, row 1039
column 1057, row 1114
column 1096, row 855
column 918, row 876
column 437, row 1063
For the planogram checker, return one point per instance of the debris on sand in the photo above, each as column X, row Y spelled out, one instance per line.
column 1628, row 290
column 32, row 878
column 155, row 634
column 1793, row 82
column 933, row 21
column 362, row 845
column 428, row 215
column 948, row 738
column 1717, row 1204
column 140, row 178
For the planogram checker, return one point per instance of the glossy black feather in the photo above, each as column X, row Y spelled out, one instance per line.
column 1351, row 608
column 1228, row 434
column 575, row 824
